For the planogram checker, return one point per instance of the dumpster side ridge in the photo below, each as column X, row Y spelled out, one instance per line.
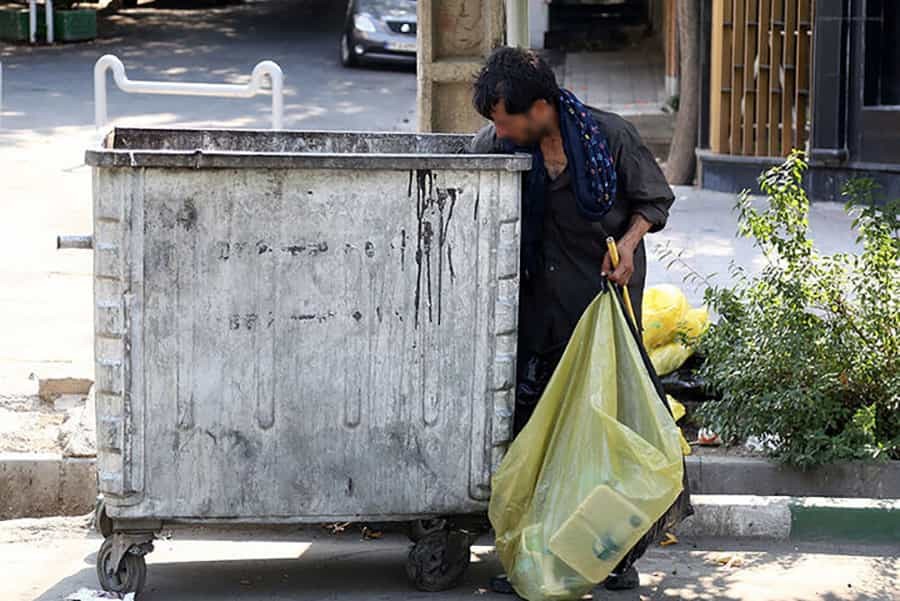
column 109, row 325
column 506, row 316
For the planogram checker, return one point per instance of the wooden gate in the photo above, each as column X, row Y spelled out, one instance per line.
column 761, row 68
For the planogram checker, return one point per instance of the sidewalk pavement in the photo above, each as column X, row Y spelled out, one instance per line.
column 53, row 558
column 703, row 224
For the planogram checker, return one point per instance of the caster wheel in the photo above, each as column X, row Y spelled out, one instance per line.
column 419, row 529
column 128, row 577
column 438, row 560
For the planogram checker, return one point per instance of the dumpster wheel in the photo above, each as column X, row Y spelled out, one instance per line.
column 128, row 577
column 419, row 529
column 438, row 560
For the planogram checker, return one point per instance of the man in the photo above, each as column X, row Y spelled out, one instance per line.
column 591, row 177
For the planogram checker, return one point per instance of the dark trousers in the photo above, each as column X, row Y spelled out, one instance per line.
column 533, row 371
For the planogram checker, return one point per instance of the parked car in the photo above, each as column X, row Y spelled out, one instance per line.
column 379, row 30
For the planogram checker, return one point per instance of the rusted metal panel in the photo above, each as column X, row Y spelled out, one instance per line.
column 301, row 339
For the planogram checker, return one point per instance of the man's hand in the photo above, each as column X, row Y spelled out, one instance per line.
column 621, row 275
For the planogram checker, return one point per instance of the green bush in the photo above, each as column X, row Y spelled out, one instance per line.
column 808, row 350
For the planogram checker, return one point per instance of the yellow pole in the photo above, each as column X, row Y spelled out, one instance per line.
column 614, row 258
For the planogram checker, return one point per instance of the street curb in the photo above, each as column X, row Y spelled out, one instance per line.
column 718, row 475
column 45, row 484
column 860, row 520
column 795, row 518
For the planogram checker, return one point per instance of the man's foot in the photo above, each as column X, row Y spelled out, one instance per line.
column 500, row 584
column 622, row 582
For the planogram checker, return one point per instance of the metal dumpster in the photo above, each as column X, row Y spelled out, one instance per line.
column 300, row 327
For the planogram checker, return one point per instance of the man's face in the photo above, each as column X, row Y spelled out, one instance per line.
column 523, row 129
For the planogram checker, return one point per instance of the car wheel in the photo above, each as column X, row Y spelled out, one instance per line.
column 348, row 59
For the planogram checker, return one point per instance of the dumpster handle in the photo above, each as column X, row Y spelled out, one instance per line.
column 253, row 87
column 74, row 242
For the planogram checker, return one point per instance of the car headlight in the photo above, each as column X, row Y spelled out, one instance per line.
column 364, row 23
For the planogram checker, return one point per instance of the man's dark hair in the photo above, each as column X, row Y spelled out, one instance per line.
column 516, row 77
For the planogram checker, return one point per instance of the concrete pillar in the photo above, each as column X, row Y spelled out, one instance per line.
column 517, row 23
column 538, row 22
column 454, row 37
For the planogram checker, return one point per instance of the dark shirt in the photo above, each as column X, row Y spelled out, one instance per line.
column 568, row 272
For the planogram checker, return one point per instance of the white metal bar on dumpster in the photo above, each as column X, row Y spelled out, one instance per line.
column 253, row 87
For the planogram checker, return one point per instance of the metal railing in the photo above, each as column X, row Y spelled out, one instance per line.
column 32, row 20
column 253, row 87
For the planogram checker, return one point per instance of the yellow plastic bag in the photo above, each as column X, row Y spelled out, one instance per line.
column 678, row 411
column 594, row 471
column 669, row 357
column 694, row 323
column 663, row 307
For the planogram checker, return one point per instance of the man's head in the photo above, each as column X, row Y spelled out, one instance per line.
column 517, row 90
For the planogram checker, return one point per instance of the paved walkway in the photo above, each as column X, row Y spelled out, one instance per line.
column 631, row 80
column 54, row 558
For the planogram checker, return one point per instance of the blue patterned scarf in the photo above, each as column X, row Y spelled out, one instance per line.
column 590, row 166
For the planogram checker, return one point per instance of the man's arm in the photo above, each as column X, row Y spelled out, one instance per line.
column 626, row 246
column 642, row 185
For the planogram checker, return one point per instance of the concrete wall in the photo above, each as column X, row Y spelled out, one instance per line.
column 454, row 38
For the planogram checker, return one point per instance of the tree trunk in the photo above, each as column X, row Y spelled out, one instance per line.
column 680, row 164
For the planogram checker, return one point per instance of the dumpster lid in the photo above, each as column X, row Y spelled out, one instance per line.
column 224, row 148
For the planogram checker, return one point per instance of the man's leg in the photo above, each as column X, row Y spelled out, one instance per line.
column 533, row 374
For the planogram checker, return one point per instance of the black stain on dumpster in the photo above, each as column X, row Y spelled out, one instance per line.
column 435, row 208
column 357, row 315
column 426, row 247
column 446, row 202
column 241, row 443
column 424, row 190
column 370, row 249
column 187, row 215
column 402, row 249
column 349, row 487
column 294, row 249
column 378, row 313
column 450, row 262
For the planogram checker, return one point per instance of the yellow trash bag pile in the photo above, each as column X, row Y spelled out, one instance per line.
column 666, row 314
column 594, row 475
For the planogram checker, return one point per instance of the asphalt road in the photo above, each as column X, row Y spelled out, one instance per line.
column 50, row 90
